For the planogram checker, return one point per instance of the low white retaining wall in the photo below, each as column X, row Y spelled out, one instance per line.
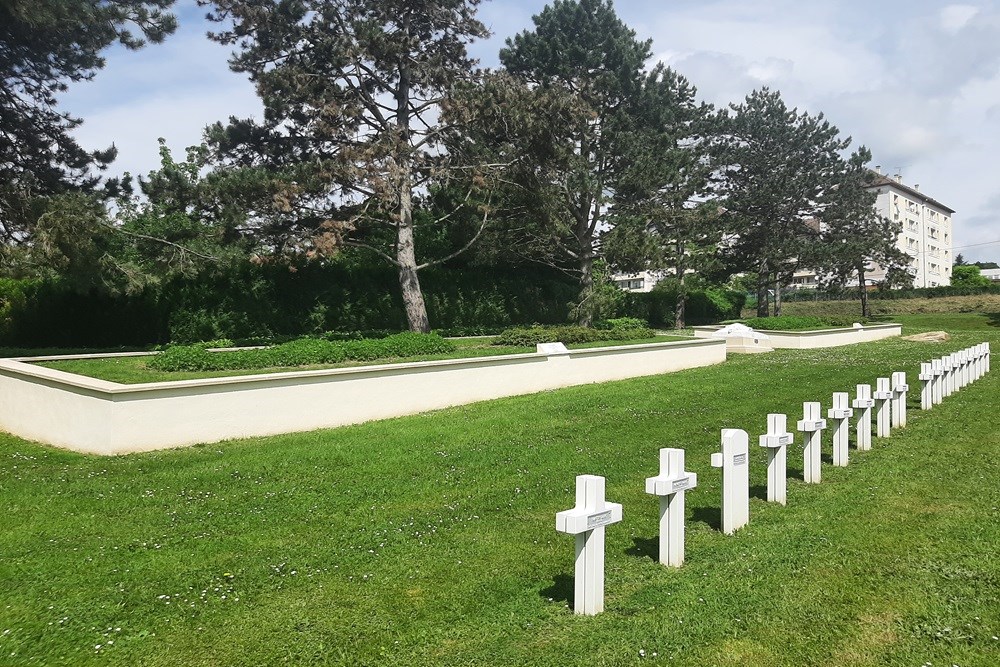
column 808, row 340
column 96, row 416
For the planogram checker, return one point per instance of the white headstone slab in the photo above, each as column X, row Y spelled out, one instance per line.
column 926, row 378
column 734, row 459
column 671, row 485
column 883, row 406
column 776, row 440
column 587, row 521
column 840, row 414
column 863, row 405
column 811, row 425
column 899, row 390
column 551, row 348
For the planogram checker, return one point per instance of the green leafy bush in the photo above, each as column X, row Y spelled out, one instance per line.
column 301, row 352
column 798, row 323
column 531, row 336
column 618, row 323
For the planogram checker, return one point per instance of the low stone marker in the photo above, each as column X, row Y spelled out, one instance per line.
column 926, row 386
column 670, row 485
column 883, row 407
column 587, row 521
column 899, row 389
column 811, row 425
column 840, row 414
column 864, row 404
column 734, row 459
column 777, row 440
column 937, row 385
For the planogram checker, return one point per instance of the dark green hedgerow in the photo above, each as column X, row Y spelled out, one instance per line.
column 569, row 334
column 301, row 352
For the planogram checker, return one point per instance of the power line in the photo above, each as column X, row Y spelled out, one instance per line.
column 974, row 245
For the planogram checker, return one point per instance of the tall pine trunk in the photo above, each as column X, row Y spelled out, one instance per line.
column 864, row 290
column 777, row 295
column 585, row 311
column 763, row 301
column 681, row 307
column 406, row 256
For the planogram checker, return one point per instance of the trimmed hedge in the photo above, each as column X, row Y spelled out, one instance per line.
column 302, row 352
column 531, row 336
column 704, row 306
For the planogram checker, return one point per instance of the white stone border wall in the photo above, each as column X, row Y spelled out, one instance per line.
column 810, row 340
column 96, row 416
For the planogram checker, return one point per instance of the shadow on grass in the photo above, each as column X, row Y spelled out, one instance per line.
column 710, row 516
column 561, row 589
column 795, row 473
column 758, row 491
column 993, row 319
column 644, row 547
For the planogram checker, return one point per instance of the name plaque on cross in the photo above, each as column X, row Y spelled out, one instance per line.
column 776, row 440
column 864, row 403
column 840, row 414
column 587, row 521
column 735, row 479
column 811, row 426
column 671, row 485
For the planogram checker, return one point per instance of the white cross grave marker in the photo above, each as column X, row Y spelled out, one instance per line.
column 966, row 357
column 840, row 414
column 899, row 389
column 587, row 521
column 947, row 363
column 987, row 356
column 777, row 440
column 812, row 426
column 977, row 365
column 883, row 400
column 937, row 385
column 670, row 485
column 734, row 459
column 926, row 386
column 864, row 404
column 959, row 369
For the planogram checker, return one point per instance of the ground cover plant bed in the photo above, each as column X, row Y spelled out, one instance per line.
column 799, row 323
column 430, row 540
column 135, row 370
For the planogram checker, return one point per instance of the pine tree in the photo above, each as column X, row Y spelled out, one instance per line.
column 355, row 96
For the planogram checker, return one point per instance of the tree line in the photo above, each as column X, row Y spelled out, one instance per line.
column 382, row 140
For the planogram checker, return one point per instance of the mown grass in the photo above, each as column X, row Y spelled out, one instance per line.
column 430, row 540
column 133, row 370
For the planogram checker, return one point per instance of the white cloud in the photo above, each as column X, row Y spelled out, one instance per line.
column 956, row 17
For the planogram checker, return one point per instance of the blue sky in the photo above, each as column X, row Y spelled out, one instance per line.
column 918, row 82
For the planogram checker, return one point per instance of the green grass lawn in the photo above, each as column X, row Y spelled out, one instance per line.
column 133, row 370
column 430, row 540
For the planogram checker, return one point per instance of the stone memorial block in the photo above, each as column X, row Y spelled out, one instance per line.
column 840, row 416
column 899, row 390
column 883, row 400
column 863, row 404
column 551, row 348
column 926, row 386
column 811, row 426
column 937, row 393
column 587, row 521
column 734, row 459
column 671, row 485
column 777, row 440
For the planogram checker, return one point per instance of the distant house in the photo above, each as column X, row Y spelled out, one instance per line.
column 643, row 281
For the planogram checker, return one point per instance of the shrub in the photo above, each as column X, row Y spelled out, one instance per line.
column 531, row 336
column 798, row 323
column 301, row 352
column 618, row 323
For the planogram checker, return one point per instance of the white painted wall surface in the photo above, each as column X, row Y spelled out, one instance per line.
column 810, row 340
column 100, row 417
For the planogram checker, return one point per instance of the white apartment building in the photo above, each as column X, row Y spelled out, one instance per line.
column 925, row 234
column 643, row 281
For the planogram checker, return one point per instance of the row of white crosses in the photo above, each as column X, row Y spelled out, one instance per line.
column 593, row 513
column 945, row 375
